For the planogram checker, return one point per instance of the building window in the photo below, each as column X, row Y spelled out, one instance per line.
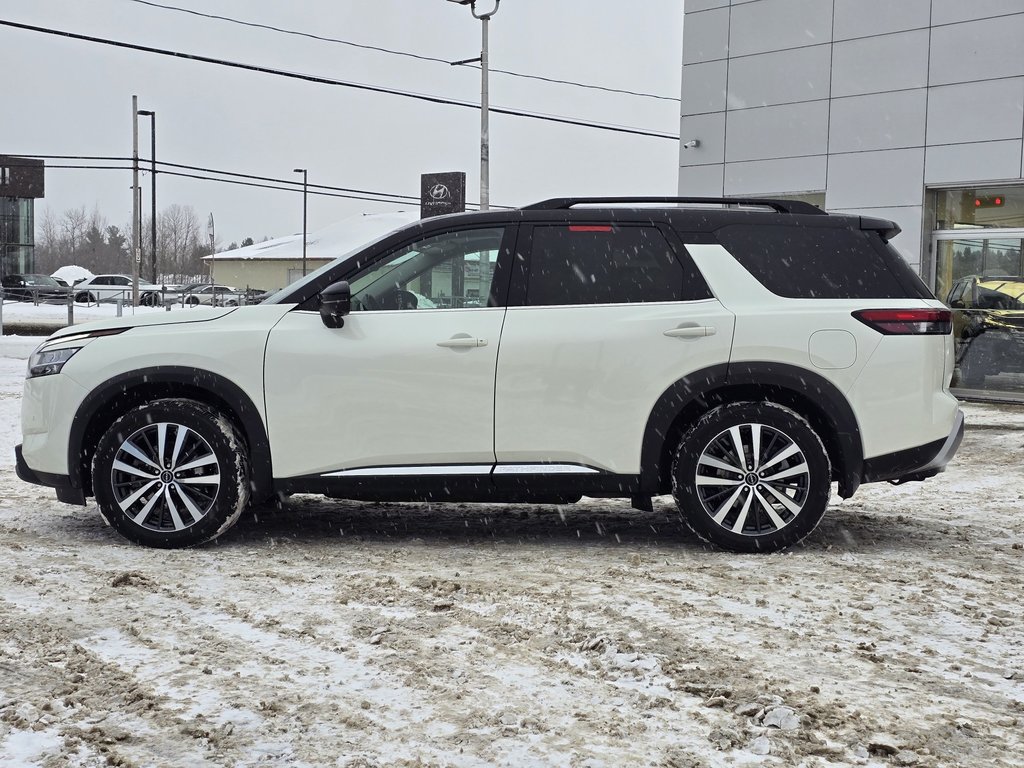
column 978, row 244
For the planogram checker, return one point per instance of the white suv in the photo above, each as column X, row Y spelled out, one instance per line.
column 742, row 359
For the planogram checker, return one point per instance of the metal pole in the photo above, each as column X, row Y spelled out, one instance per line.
column 305, row 196
column 485, row 149
column 152, row 174
column 305, row 188
column 136, row 243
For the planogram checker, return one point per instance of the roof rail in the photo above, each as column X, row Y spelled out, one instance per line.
column 782, row 206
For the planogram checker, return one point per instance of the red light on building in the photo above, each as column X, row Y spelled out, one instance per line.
column 989, row 201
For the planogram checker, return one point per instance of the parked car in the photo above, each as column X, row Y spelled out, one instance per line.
column 112, row 287
column 212, row 295
column 988, row 326
column 740, row 358
column 32, row 288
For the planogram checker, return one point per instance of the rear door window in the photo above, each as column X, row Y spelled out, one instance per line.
column 585, row 263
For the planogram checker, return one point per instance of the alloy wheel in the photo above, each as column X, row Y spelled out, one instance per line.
column 752, row 479
column 165, row 477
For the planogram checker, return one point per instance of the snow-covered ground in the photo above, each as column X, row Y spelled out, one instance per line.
column 354, row 634
column 16, row 314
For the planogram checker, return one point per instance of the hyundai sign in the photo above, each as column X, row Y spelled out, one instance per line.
column 442, row 193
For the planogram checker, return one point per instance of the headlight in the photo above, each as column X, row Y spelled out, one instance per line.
column 49, row 362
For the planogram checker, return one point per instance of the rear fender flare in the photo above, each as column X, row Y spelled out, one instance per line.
column 814, row 396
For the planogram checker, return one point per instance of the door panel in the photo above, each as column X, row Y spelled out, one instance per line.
column 576, row 384
column 382, row 390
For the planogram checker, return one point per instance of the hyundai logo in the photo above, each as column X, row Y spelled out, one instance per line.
column 440, row 192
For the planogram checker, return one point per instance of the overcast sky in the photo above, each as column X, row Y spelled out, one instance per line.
column 68, row 97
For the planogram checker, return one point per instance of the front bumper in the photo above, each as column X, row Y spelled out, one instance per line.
column 61, row 483
column 917, row 463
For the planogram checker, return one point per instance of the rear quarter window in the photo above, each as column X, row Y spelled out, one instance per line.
column 821, row 262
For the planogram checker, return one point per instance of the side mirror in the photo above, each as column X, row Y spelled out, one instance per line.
column 957, row 304
column 335, row 303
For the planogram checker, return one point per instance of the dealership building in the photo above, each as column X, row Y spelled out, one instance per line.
column 911, row 111
column 21, row 182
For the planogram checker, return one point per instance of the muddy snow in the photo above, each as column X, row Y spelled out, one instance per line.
column 352, row 634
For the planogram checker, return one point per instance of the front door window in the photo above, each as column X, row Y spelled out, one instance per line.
column 449, row 271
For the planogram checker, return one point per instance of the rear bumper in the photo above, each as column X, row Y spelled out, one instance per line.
column 61, row 483
column 917, row 463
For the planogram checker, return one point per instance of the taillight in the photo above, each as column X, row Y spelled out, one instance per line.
column 903, row 322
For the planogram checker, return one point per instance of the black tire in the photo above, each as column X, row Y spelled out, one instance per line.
column 776, row 499
column 192, row 301
column 148, row 299
column 85, row 298
column 197, row 492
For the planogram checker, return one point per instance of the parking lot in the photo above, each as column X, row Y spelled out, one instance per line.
column 334, row 632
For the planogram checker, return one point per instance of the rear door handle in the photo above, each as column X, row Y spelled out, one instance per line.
column 692, row 331
column 462, row 341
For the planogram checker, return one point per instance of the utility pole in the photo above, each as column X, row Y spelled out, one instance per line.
column 136, row 242
column 485, row 134
column 485, row 139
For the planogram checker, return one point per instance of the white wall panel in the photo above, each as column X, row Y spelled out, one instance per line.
column 767, row 177
column 976, row 111
column 864, row 18
column 706, row 36
column 877, row 64
column 800, row 74
column 710, row 131
column 878, row 121
column 704, row 87
column 978, row 50
column 693, row 6
column 772, row 132
column 958, row 163
column 773, row 25
column 701, row 181
column 950, row 11
column 888, row 178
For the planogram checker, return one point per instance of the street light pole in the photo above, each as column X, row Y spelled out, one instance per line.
column 305, row 191
column 136, row 234
column 485, row 140
column 152, row 223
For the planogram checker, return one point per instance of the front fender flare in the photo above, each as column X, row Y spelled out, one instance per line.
column 222, row 389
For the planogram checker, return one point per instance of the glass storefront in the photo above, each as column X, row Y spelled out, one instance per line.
column 978, row 247
column 16, row 235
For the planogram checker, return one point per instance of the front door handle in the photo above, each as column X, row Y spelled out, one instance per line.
column 462, row 341
column 692, row 331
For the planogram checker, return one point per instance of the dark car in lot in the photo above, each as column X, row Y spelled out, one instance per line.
column 32, row 288
column 988, row 325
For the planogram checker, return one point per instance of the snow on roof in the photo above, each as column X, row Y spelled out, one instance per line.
column 328, row 243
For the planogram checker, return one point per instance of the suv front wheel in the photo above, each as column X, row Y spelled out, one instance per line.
column 752, row 477
column 171, row 473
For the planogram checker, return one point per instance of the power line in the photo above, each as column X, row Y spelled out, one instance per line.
column 142, row 160
column 345, row 84
column 321, row 190
column 407, row 54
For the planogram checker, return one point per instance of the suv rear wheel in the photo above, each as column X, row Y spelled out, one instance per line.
column 752, row 477
column 171, row 473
